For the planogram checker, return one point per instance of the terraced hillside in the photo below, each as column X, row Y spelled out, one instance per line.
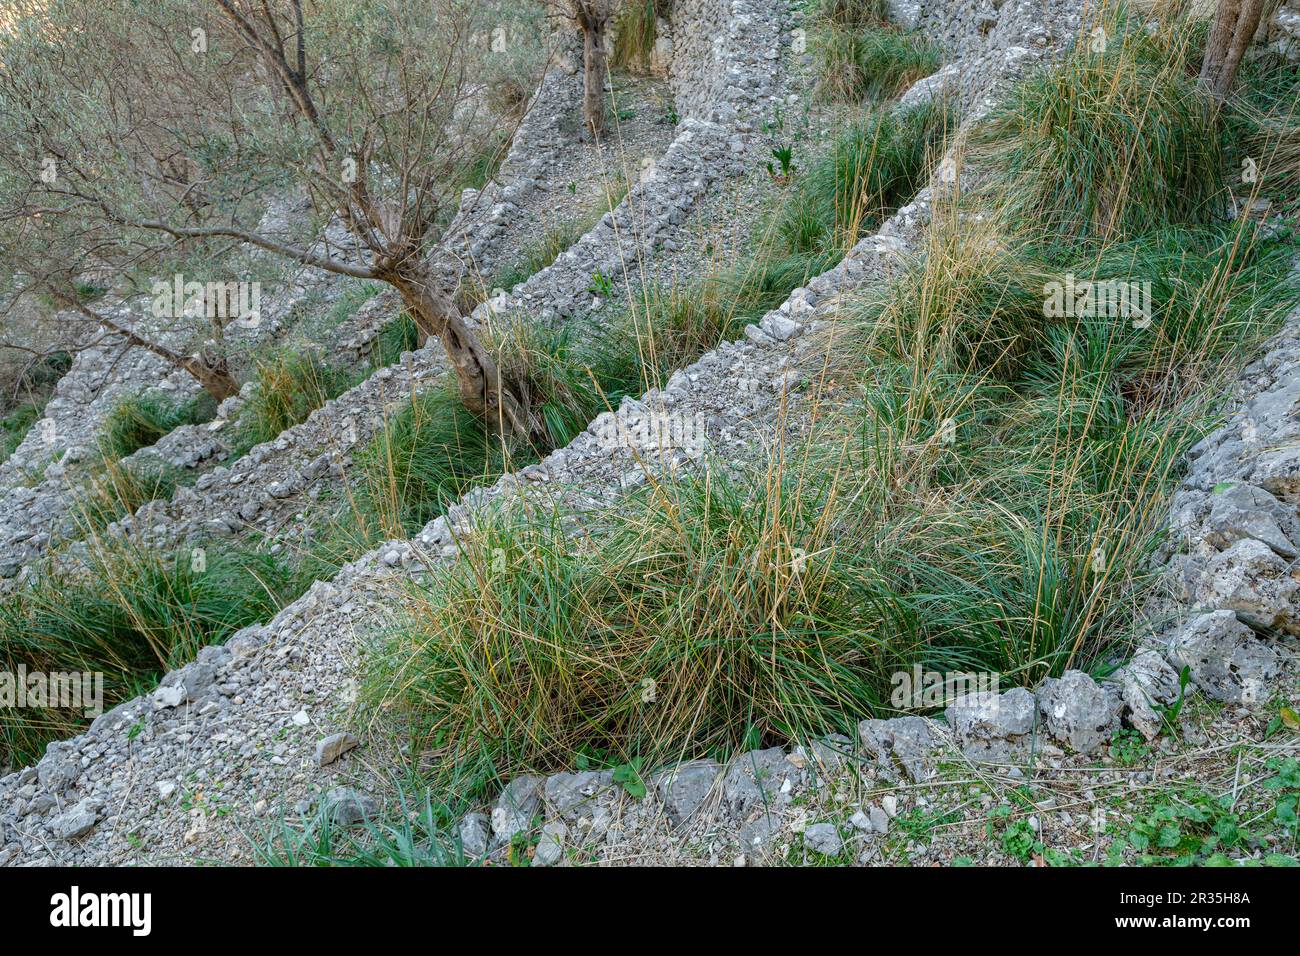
column 909, row 480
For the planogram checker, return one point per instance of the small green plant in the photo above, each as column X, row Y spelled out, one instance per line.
column 1169, row 713
column 785, row 156
column 919, row 824
column 601, row 285
column 1015, row 836
column 1286, row 716
column 1182, row 830
column 1286, row 783
column 1130, row 748
column 90, row 291
column 628, row 775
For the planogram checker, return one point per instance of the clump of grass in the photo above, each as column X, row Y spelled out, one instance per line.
column 134, row 613
column 635, row 33
column 118, row 489
column 869, row 171
column 873, row 63
column 539, row 645
column 972, row 305
column 853, row 14
column 566, row 377
column 987, row 499
column 428, row 453
column 289, row 387
column 872, row 169
column 15, row 425
column 432, row 450
column 1265, row 130
column 674, row 326
column 482, row 163
column 1109, row 144
column 352, row 298
column 397, row 336
column 140, row 420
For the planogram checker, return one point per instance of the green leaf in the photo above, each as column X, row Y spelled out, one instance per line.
column 629, row 775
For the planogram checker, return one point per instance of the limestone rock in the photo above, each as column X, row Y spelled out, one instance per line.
column 684, row 788
column 993, row 726
column 1078, row 711
column 907, row 740
column 1228, row 661
column 331, row 748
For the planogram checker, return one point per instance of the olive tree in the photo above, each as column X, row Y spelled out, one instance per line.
column 1234, row 27
column 592, row 19
column 170, row 127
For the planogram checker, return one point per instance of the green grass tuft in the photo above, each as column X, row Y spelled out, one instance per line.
column 289, row 387
column 135, row 613
column 1109, row 145
column 138, row 421
column 873, row 63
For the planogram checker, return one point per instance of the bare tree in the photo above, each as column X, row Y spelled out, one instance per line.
column 172, row 125
column 1235, row 24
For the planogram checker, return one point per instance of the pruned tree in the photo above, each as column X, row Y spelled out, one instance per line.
column 173, row 125
column 1234, row 27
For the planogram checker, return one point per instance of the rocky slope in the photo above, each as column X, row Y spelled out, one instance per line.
column 229, row 742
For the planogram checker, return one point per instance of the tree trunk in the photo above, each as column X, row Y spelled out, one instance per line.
column 1235, row 24
column 215, row 377
column 477, row 375
column 593, row 71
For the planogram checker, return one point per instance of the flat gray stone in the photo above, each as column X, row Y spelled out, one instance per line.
column 474, row 835
column 1146, row 683
column 907, row 742
column 823, row 838
column 756, row 779
column 684, row 788
column 76, row 822
column 515, row 809
column 993, row 726
column 345, row 806
column 331, row 748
